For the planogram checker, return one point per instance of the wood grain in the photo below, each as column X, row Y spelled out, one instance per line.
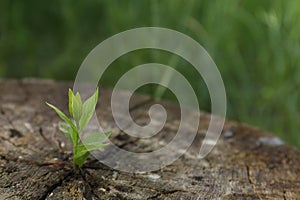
column 35, row 160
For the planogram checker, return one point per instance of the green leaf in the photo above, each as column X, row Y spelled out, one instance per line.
column 77, row 108
column 63, row 127
column 96, row 138
column 80, row 159
column 66, row 129
column 62, row 115
column 80, row 150
column 80, row 155
column 88, row 110
column 91, row 147
column 83, row 148
column 71, row 95
column 74, row 133
column 92, row 142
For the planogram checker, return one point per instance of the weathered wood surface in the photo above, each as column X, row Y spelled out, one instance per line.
column 34, row 156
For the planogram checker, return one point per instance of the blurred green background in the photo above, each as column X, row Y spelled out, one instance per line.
column 255, row 44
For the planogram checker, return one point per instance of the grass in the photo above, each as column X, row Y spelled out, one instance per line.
column 255, row 44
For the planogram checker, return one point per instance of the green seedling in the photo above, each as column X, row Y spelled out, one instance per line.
column 81, row 114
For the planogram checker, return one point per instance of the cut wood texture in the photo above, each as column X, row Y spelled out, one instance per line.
column 35, row 160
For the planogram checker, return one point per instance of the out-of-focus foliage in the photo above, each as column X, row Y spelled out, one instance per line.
column 255, row 44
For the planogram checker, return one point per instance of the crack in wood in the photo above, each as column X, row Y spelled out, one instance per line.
column 55, row 185
column 63, row 165
column 252, row 183
column 91, row 187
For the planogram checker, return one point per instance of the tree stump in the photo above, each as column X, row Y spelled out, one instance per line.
column 246, row 163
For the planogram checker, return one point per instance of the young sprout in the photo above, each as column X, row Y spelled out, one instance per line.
column 81, row 114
